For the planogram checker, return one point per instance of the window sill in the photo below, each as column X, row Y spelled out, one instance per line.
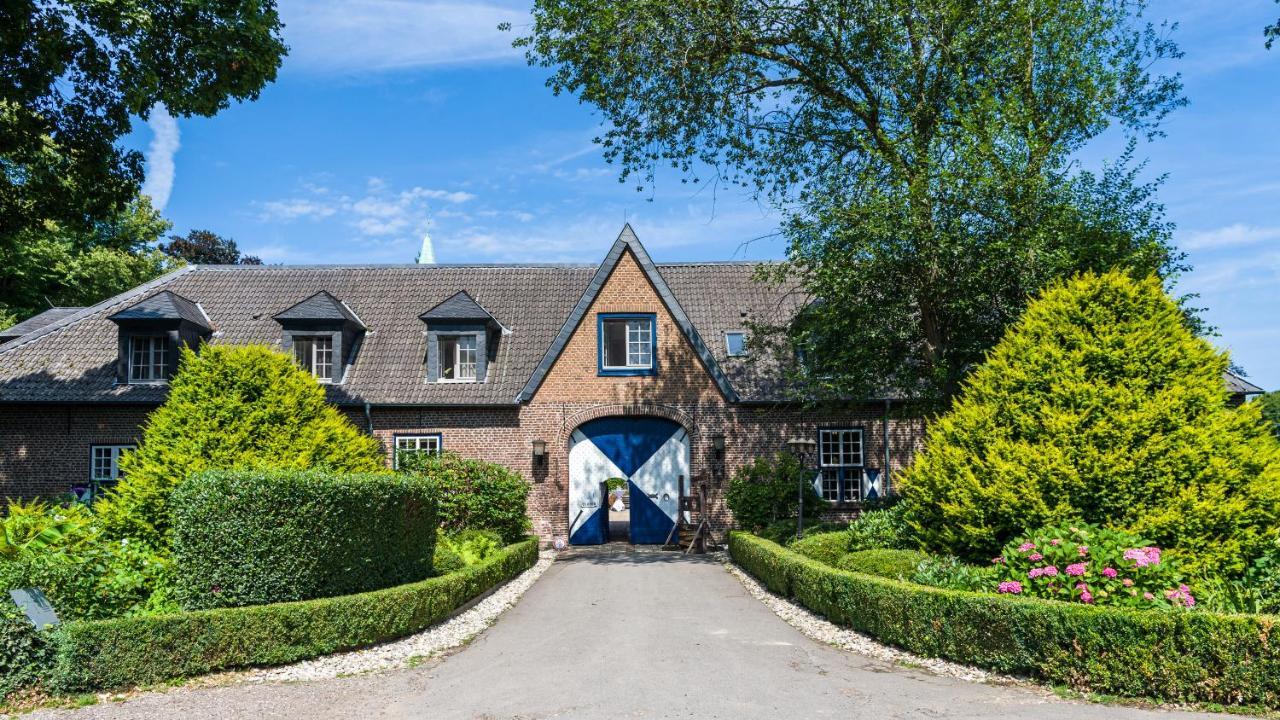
column 627, row 371
column 446, row 381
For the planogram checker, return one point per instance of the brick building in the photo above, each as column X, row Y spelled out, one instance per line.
column 568, row 374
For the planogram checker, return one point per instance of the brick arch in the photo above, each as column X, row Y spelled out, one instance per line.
column 676, row 415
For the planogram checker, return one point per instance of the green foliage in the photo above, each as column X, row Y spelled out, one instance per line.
column 118, row 653
column 1172, row 657
column 896, row 564
column 252, row 537
column 766, row 490
column 929, row 187
column 474, row 494
column 464, row 549
column 78, row 76
column 878, row 529
column 203, row 247
column 950, row 573
column 25, row 654
column 37, row 526
column 1263, row 578
column 824, row 547
column 446, row 559
column 231, row 407
column 1099, row 406
column 1269, row 407
column 1090, row 565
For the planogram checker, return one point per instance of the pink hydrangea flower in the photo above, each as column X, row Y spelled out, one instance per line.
column 997, row 560
column 1050, row 571
column 1182, row 595
column 1024, row 547
column 1148, row 596
column 1111, row 573
column 1143, row 557
column 1035, row 572
column 1055, row 542
column 1077, row 569
column 1083, row 550
column 1010, row 587
column 1081, row 586
column 1128, row 582
column 1086, row 597
column 1034, row 557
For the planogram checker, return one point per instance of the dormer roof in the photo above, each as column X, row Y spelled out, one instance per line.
column 164, row 306
column 459, row 307
column 319, row 307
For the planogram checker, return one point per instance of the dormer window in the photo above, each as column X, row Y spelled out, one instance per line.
column 628, row 344
column 323, row 334
column 314, row 354
column 148, row 358
column 458, row 358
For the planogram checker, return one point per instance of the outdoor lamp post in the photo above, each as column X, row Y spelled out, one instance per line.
column 801, row 447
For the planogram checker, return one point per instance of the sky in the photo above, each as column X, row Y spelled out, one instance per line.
column 392, row 119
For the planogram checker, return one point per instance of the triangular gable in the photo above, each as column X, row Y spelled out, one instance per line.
column 627, row 240
column 460, row 306
column 164, row 305
column 320, row 306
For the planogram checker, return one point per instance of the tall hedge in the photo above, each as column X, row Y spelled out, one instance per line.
column 228, row 406
column 252, row 537
column 1100, row 405
column 474, row 494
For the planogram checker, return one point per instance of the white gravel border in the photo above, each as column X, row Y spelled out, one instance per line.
column 457, row 630
column 818, row 628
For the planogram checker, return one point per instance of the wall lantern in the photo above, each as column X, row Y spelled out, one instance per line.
column 800, row 446
column 539, row 452
column 717, row 444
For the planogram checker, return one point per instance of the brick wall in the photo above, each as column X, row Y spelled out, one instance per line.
column 44, row 449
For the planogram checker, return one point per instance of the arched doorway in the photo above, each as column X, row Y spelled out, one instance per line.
column 651, row 453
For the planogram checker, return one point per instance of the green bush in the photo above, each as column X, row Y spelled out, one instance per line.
column 783, row 532
column 950, row 573
column 1263, row 578
column 896, row 564
column 1100, row 405
column 251, row 537
column 446, row 559
column 230, row 407
column 766, row 491
column 474, row 494
column 25, row 654
column 1173, row 657
column 1269, row 407
column 824, row 547
column 881, row 529
column 119, row 653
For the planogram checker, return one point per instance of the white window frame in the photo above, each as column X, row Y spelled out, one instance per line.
column 414, row 443
column 639, row 333
column 728, row 347
column 321, row 347
column 466, row 358
column 156, row 359
column 841, row 461
column 112, row 456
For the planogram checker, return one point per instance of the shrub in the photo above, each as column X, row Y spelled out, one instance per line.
column 1174, row 657
column 1269, row 407
column 118, row 653
column 896, row 564
column 783, row 532
column 766, row 490
column 950, row 573
column 1263, row 578
column 41, row 527
column 445, row 559
column 474, row 494
column 25, row 653
column 249, row 537
column 1086, row 564
column 1099, row 405
column 823, row 547
column 880, row 529
column 230, row 407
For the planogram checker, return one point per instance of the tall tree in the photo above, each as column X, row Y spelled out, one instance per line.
column 922, row 151
column 76, row 73
column 204, row 247
column 61, row 266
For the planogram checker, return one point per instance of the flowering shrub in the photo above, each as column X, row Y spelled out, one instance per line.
column 1091, row 565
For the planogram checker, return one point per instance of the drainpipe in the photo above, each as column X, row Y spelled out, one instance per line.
column 368, row 417
column 885, row 428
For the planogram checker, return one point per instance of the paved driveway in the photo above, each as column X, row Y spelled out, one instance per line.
column 629, row 636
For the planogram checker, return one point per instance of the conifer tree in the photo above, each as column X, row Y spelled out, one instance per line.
column 231, row 407
column 1100, row 405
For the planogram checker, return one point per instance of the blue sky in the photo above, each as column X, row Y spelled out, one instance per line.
column 392, row 118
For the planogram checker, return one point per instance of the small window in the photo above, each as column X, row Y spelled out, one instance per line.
column 148, row 358
column 104, row 467
column 736, row 343
column 415, row 444
column 315, row 355
column 458, row 358
column 840, row 458
column 626, row 343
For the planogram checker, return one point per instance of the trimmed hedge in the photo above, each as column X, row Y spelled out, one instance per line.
column 253, row 537
column 825, row 547
column 135, row 651
column 474, row 494
column 1172, row 656
column 896, row 564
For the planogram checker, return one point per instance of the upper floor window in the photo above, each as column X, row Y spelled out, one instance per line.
column 408, row 444
column 315, row 355
column 840, row 461
column 458, row 358
column 627, row 344
column 735, row 343
column 148, row 358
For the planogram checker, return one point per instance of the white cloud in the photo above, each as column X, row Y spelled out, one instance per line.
column 164, row 144
column 1235, row 235
column 374, row 35
column 295, row 209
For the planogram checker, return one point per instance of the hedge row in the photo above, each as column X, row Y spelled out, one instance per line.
column 134, row 651
column 1170, row 656
column 254, row 537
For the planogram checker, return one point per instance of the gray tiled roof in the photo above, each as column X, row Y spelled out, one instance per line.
column 1237, row 385
column 459, row 306
column 73, row 360
column 319, row 306
column 164, row 305
column 36, row 322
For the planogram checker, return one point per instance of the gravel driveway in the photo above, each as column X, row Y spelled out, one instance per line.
column 643, row 635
